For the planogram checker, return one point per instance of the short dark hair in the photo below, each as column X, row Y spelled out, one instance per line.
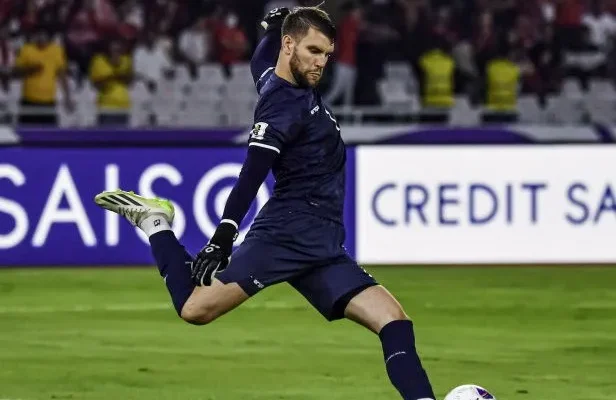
column 301, row 19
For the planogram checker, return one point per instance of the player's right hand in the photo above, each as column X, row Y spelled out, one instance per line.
column 214, row 256
column 275, row 18
column 209, row 261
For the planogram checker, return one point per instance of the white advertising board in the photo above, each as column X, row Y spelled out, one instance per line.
column 486, row 204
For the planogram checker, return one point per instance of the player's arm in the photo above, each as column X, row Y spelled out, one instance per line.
column 266, row 54
column 266, row 141
column 214, row 256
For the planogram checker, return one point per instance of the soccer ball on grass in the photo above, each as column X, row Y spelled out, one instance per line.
column 469, row 392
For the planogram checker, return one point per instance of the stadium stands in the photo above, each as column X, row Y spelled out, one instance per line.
column 566, row 72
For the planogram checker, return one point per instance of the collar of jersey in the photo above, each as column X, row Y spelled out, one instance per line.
column 286, row 82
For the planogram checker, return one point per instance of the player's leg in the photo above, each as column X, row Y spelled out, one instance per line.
column 198, row 305
column 376, row 309
column 343, row 289
column 207, row 303
column 154, row 217
column 259, row 262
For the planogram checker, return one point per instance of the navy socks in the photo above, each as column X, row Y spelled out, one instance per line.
column 402, row 362
column 174, row 264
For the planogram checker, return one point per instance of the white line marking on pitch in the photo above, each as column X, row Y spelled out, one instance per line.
column 268, row 305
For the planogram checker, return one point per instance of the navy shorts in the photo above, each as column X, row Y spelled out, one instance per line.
column 307, row 252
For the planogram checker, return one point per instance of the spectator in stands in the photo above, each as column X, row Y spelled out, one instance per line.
column 86, row 23
column 568, row 22
column 443, row 28
column 345, row 70
column 502, row 87
column 169, row 17
column 585, row 60
column 7, row 57
column 546, row 56
column 484, row 41
column 548, row 10
column 111, row 73
column 132, row 19
column 195, row 45
column 436, row 76
column 601, row 25
column 7, row 60
column 521, row 41
column 505, row 13
column 28, row 12
column 230, row 42
column 152, row 60
column 376, row 38
column 41, row 63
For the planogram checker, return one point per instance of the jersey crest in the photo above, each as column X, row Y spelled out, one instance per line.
column 258, row 130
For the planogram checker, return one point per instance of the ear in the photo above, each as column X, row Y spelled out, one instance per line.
column 288, row 44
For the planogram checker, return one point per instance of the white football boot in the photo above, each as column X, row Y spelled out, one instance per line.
column 133, row 207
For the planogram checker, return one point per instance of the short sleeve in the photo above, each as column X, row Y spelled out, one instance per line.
column 277, row 122
column 23, row 58
column 99, row 70
column 127, row 65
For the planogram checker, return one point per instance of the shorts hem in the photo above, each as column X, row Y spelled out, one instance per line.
column 342, row 302
column 248, row 285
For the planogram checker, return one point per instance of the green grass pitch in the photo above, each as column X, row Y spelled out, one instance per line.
column 524, row 333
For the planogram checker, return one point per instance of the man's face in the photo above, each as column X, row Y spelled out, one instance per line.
column 309, row 57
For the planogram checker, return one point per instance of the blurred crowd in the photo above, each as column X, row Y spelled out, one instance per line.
column 548, row 40
column 451, row 47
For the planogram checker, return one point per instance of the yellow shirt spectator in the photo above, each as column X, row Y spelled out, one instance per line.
column 503, row 78
column 438, row 68
column 41, row 86
column 111, row 81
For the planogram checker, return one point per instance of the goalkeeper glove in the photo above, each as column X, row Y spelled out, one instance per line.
column 274, row 18
column 214, row 256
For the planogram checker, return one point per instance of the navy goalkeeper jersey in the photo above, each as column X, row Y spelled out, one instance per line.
column 310, row 167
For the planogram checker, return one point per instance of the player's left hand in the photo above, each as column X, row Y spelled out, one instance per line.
column 209, row 261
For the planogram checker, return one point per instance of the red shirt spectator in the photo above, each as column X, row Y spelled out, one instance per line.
column 96, row 19
column 346, row 42
column 569, row 12
column 229, row 40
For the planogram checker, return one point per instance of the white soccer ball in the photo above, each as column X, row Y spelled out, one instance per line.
column 469, row 392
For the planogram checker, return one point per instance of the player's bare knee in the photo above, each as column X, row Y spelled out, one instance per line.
column 397, row 315
column 198, row 314
column 390, row 315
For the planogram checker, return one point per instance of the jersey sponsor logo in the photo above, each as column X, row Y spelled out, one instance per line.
column 258, row 130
